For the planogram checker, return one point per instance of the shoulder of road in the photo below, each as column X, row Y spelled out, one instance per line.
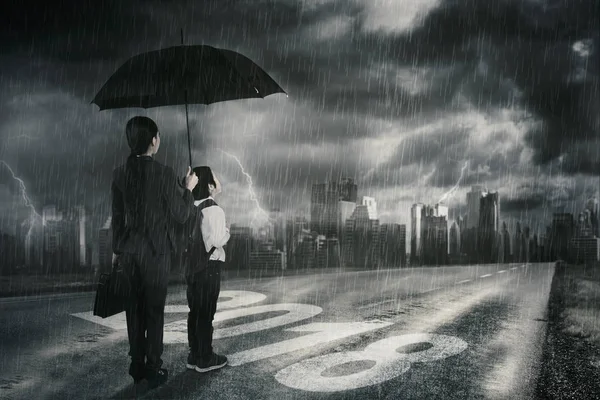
column 571, row 355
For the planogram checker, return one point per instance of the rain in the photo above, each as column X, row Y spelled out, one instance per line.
column 402, row 199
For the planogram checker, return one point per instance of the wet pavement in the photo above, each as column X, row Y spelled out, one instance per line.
column 464, row 332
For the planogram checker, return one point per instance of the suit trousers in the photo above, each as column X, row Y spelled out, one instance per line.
column 146, row 311
column 202, row 295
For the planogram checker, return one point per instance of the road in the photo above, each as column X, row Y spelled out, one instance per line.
column 464, row 332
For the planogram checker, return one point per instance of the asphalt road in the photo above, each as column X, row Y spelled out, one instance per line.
column 466, row 332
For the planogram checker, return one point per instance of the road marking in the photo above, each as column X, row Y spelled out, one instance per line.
column 375, row 304
column 176, row 332
column 485, row 276
column 514, row 267
column 309, row 374
column 501, row 272
column 431, row 290
column 236, row 298
column 465, row 281
column 321, row 333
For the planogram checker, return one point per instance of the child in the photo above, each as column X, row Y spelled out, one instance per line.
column 204, row 283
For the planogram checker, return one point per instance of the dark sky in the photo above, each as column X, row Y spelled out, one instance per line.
column 398, row 94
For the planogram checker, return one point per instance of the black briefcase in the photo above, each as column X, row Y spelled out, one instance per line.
column 114, row 292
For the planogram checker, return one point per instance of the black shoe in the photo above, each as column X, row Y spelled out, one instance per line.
column 215, row 362
column 137, row 372
column 192, row 361
column 157, row 378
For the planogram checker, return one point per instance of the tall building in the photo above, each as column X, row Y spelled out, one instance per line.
column 561, row 233
column 105, row 244
column 325, row 205
column 454, row 239
column 346, row 208
column 83, row 259
column 361, row 247
column 434, row 233
column 416, row 212
column 506, row 251
column 371, row 206
column 328, row 252
column 473, row 205
column 393, row 245
column 488, row 228
column 517, row 254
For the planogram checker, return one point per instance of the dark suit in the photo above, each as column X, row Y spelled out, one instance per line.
column 145, row 239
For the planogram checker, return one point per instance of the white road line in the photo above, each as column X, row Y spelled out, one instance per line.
column 431, row 290
column 485, row 276
column 465, row 281
column 375, row 304
column 514, row 267
column 501, row 272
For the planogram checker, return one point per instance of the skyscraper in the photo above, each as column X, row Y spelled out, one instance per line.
column 393, row 245
column 371, row 206
column 325, row 205
column 489, row 227
column 361, row 247
column 454, row 239
column 416, row 212
column 473, row 205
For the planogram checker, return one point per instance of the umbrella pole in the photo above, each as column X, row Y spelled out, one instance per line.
column 187, row 121
column 187, row 118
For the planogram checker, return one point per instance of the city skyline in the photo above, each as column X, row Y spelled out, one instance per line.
column 407, row 120
column 337, row 216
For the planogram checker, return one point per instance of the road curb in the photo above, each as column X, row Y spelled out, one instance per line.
column 567, row 371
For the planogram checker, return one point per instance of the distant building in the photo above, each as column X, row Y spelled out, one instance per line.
column 585, row 249
column 325, row 205
column 488, row 228
column 266, row 257
column 474, row 205
column 328, row 252
column 105, row 244
column 393, row 245
column 562, row 231
column 416, row 215
column 361, row 248
column 454, row 239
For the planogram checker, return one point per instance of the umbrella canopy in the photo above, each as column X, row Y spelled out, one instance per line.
column 180, row 75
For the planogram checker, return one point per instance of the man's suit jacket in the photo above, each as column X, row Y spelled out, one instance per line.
column 165, row 206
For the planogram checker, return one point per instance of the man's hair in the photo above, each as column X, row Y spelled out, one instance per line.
column 205, row 177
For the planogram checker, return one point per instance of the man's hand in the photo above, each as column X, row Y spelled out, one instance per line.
column 191, row 180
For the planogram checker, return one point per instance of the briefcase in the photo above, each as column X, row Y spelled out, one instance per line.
column 114, row 292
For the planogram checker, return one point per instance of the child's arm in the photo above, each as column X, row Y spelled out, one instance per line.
column 214, row 228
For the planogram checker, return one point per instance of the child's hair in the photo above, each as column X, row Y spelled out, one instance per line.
column 205, row 177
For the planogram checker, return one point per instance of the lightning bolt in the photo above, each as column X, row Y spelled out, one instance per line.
column 34, row 214
column 250, row 187
column 449, row 192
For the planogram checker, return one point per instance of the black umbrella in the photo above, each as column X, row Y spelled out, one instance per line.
column 180, row 75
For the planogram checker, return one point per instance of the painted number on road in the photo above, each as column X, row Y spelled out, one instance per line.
column 383, row 357
column 309, row 374
column 235, row 299
column 176, row 332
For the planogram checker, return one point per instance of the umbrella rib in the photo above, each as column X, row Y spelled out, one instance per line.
column 239, row 74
